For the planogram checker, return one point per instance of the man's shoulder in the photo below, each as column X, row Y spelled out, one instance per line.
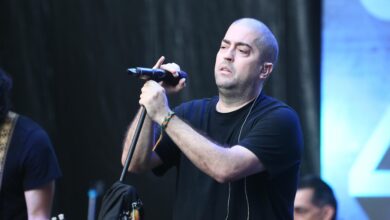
column 271, row 104
column 269, row 101
column 28, row 129
column 272, row 108
column 26, row 124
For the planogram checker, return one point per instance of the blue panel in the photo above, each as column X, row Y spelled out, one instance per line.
column 355, row 103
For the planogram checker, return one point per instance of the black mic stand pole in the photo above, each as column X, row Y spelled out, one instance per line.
column 133, row 143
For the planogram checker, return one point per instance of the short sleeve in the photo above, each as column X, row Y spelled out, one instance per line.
column 276, row 139
column 40, row 162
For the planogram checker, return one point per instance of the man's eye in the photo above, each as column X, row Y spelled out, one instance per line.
column 244, row 51
column 299, row 210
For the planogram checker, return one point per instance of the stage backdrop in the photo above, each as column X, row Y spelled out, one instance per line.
column 355, row 112
column 69, row 58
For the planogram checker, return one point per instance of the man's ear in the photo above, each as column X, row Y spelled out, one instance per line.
column 266, row 70
column 328, row 212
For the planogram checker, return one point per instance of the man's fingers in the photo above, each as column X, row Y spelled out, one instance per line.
column 159, row 62
column 182, row 83
column 172, row 67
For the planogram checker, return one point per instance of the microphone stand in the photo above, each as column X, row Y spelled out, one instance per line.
column 133, row 143
column 161, row 76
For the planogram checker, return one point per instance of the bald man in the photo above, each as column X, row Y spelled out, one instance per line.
column 237, row 154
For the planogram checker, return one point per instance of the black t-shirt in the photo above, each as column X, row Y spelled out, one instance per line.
column 272, row 132
column 30, row 164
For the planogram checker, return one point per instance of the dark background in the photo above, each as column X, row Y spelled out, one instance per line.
column 68, row 60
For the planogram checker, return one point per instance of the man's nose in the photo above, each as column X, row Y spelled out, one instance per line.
column 229, row 55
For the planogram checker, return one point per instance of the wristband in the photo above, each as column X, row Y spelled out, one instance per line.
column 167, row 119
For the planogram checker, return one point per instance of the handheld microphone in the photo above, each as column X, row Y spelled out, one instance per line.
column 156, row 75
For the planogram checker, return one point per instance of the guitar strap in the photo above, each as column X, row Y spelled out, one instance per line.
column 6, row 130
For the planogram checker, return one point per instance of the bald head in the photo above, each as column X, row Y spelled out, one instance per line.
column 266, row 41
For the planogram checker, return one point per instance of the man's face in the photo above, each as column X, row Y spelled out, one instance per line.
column 304, row 209
column 237, row 63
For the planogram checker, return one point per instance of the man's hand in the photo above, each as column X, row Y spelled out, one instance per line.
column 155, row 101
column 153, row 95
column 174, row 69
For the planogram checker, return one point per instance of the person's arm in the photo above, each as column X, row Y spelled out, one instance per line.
column 222, row 164
column 144, row 158
column 39, row 202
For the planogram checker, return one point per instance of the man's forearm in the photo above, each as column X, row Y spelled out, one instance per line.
column 39, row 202
column 222, row 164
column 142, row 154
column 205, row 154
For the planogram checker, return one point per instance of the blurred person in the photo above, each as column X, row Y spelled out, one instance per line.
column 28, row 164
column 314, row 200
